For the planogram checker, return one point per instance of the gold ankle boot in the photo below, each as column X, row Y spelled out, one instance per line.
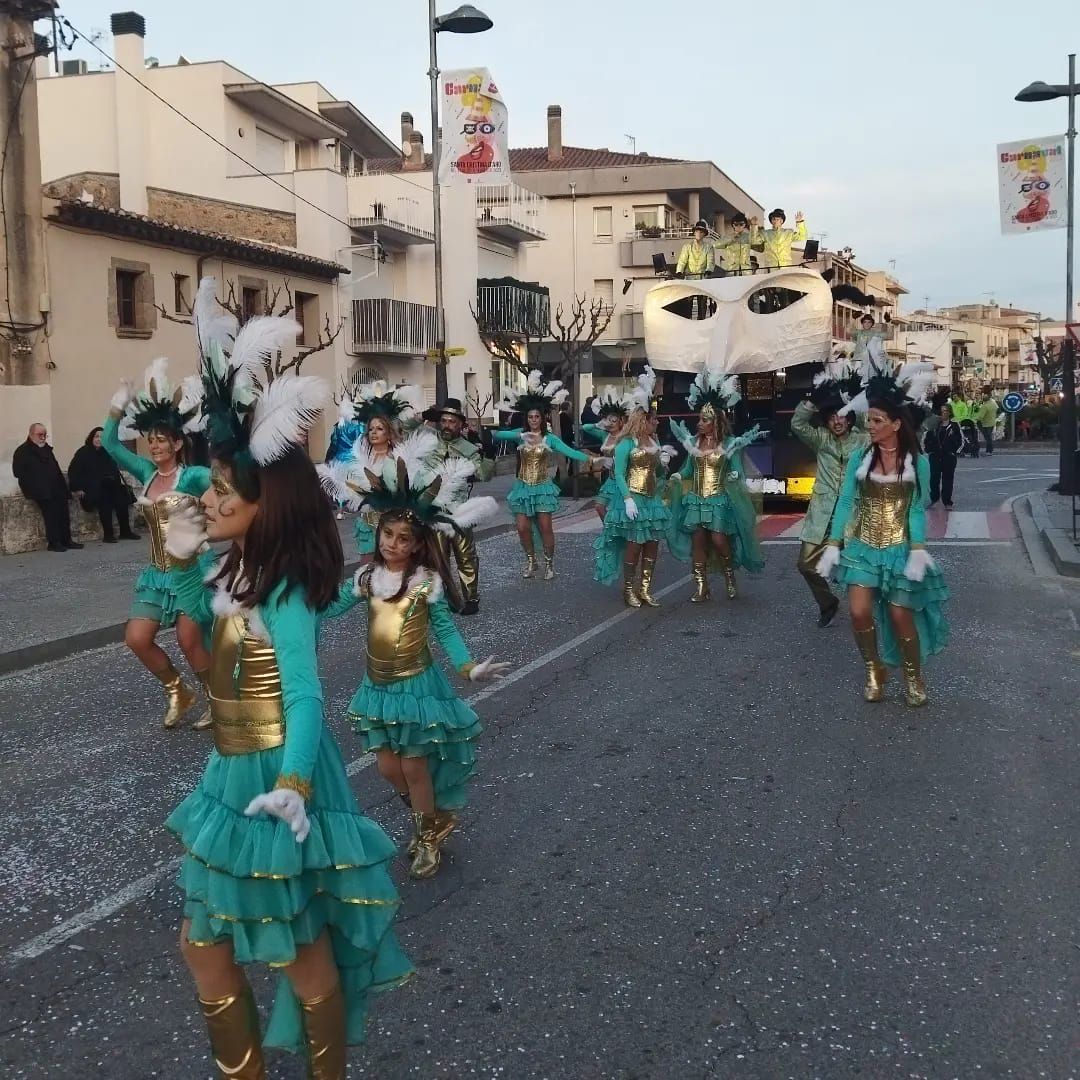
column 701, row 583
column 235, row 1042
column 914, row 687
column 645, row 591
column 549, row 566
column 445, row 823
column 426, row 858
column 206, row 720
column 324, row 1030
column 530, row 566
column 728, row 566
column 629, row 591
column 876, row 672
column 180, row 697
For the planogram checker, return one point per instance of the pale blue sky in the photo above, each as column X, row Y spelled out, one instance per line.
column 880, row 122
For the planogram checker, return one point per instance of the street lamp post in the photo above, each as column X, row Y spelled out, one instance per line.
column 1040, row 91
column 463, row 20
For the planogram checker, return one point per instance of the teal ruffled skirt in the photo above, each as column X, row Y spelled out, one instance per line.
column 652, row 523
column 883, row 569
column 533, row 499
column 247, row 880
column 721, row 513
column 607, row 492
column 421, row 716
column 364, row 535
column 155, row 597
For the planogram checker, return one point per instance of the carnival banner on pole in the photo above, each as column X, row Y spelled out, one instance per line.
column 474, row 147
column 1031, row 184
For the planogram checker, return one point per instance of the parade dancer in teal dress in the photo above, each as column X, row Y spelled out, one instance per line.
column 717, row 512
column 162, row 415
column 535, row 497
column 405, row 711
column 279, row 866
column 877, row 541
column 637, row 519
column 610, row 407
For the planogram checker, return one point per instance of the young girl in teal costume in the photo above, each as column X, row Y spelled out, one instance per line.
column 280, row 866
column 611, row 409
column 716, row 514
column 638, row 518
column 535, row 497
column 405, row 711
column 878, row 539
column 162, row 416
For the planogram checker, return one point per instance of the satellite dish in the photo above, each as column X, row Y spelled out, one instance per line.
column 406, row 148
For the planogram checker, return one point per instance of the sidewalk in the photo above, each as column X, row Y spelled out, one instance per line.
column 57, row 605
column 1052, row 517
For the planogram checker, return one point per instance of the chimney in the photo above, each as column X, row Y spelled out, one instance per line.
column 129, row 32
column 415, row 160
column 554, row 114
column 406, row 132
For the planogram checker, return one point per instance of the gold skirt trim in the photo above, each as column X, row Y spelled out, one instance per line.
column 248, row 726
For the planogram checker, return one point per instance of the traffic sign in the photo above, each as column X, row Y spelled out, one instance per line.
column 1012, row 402
column 1056, row 385
column 457, row 350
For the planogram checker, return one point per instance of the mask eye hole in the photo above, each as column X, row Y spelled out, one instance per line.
column 695, row 307
column 772, row 299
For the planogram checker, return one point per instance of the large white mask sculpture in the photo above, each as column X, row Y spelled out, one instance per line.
column 747, row 323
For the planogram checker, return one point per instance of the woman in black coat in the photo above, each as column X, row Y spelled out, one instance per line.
column 93, row 476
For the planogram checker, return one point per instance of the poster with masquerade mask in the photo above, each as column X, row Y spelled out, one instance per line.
column 474, row 131
column 1031, row 184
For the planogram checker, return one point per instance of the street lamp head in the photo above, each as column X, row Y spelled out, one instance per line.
column 1040, row 91
column 464, row 20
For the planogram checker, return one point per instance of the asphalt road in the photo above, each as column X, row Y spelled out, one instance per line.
column 692, row 850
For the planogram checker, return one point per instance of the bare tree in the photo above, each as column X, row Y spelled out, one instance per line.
column 516, row 348
column 478, row 407
column 1048, row 359
column 576, row 332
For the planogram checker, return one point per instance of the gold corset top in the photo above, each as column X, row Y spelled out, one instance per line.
column 397, row 637
column 533, row 462
column 641, row 471
column 709, row 472
column 157, row 516
column 244, row 687
column 883, row 511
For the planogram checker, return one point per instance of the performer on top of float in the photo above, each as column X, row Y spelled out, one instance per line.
column 697, row 258
column 735, row 250
column 776, row 242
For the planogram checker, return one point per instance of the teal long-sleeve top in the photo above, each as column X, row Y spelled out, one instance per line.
column 192, row 479
column 553, row 442
column 849, row 494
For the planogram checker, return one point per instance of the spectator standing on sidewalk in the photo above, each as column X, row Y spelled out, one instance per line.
column 985, row 417
column 944, row 441
column 95, row 479
column 41, row 480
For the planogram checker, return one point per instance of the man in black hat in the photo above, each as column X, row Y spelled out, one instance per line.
column 735, row 250
column 697, row 258
column 776, row 242
column 450, row 420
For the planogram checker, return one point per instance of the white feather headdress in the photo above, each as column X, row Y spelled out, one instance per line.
column 642, row 395
column 161, row 405
column 538, row 394
column 910, row 387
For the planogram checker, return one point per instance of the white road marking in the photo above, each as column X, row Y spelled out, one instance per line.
column 967, row 525
column 64, row 931
column 929, row 543
column 1014, row 479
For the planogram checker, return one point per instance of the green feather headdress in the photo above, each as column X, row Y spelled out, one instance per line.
column 161, row 407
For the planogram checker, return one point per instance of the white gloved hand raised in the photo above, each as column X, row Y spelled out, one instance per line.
column 122, row 396
column 185, row 533
column 286, row 804
column 918, row 562
column 829, row 560
column 666, row 454
column 631, row 508
column 488, row 670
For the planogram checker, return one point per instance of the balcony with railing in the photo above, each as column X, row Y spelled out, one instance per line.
column 508, row 306
column 393, row 327
column 509, row 212
column 401, row 223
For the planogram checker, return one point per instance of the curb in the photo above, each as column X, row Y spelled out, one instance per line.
column 1051, row 550
column 61, row 648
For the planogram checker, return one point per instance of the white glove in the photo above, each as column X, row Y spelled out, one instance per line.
column 605, row 462
column 122, row 396
column 488, row 670
column 666, row 454
column 829, row 560
column 185, row 533
column 918, row 562
column 631, row 509
column 286, row 804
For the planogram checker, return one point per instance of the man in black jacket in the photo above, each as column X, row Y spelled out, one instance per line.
column 38, row 472
column 944, row 441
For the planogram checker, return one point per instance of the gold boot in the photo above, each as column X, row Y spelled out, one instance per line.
column 180, row 697
column 235, row 1043
column 530, row 566
column 914, row 687
column 645, row 592
column 445, row 823
column 426, row 860
column 701, row 583
column 549, row 566
column 727, row 564
column 629, row 592
column 206, row 720
column 324, row 1030
column 876, row 672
